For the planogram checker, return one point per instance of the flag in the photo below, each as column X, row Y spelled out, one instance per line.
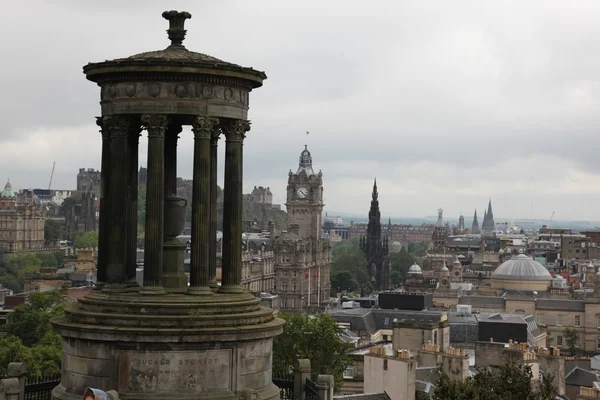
column 317, row 274
column 306, row 275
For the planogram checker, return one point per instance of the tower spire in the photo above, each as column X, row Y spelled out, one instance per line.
column 475, row 227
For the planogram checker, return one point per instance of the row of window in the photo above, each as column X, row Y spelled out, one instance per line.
column 560, row 320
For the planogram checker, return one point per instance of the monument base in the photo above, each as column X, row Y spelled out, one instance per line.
column 167, row 347
column 174, row 279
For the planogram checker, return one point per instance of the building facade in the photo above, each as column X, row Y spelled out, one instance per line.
column 302, row 257
column 22, row 219
column 88, row 180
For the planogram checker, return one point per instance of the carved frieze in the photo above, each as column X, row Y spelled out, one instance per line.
column 175, row 90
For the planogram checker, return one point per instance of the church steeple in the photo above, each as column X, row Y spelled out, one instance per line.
column 488, row 220
column 475, row 227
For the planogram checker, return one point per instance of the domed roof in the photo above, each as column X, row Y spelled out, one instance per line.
column 456, row 263
column 522, row 268
column 415, row 269
column 445, row 269
column 7, row 192
column 174, row 58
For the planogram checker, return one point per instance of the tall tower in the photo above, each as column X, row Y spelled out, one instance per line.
column 461, row 224
column 302, row 257
column 376, row 247
column 440, row 232
column 305, row 198
column 475, row 227
column 488, row 220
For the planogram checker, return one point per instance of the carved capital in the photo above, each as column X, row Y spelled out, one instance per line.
column 115, row 127
column 156, row 125
column 203, row 127
column 235, row 129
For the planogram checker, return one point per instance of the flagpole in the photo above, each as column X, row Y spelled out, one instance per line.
column 309, row 287
column 319, row 287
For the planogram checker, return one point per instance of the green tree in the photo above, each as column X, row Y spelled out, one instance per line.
column 87, row 240
column 316, row 338
column 47, row 259
column 31, row 322
column 343, row 280
column 53, row 231
column 400, row 263
column 141, row 211
column 30, row 338
column 348, row 257
column 571, row 338
column 509, row 382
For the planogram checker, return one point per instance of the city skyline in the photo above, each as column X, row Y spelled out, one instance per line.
column 446, row 104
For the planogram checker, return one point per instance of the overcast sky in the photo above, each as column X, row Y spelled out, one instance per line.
column 447, row 103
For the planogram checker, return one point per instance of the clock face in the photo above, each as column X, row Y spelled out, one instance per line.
column 444, row 282
column 302, row 192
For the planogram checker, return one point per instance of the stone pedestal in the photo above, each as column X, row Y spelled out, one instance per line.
column 167, row 347
column 174, row 279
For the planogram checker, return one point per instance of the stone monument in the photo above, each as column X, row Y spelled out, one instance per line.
column 169, row 339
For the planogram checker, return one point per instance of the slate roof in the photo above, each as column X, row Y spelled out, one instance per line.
column 373, row 319
column 560, row 304
column 581, row 377
column 482, row 301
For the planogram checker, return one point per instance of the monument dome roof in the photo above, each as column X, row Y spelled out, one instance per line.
column 445, row 269
column 176, row 58
column 522, row 268
column 415, row 269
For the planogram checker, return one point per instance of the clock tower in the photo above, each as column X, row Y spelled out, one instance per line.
column 302, row 258
column 305, row 198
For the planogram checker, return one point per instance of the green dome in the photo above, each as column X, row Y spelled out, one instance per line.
column 7, row 192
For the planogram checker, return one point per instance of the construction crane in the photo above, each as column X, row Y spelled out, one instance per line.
column 51, row 176
column 551, row 217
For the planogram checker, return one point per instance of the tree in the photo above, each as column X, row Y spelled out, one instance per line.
column 571, row 339
column 343, row 280
column 509, row 382
column 53, row 231
column 30, row 338
column 31, row 322
column 349, row 258
column 401, row 262
column 316, row 338
column 87, row 240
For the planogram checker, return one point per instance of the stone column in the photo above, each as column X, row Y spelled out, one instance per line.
column 212, row 235
column 119, row 127
column 132, row 204
column 202, row 128
column 171, row 138
column 103, row 211
column 156, row 126
column 235, row 132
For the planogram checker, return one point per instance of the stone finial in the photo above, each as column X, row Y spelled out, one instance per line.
column 176, row 29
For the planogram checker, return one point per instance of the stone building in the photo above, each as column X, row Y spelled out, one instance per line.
column 80, row 213
column 302, row 257
column 440, row 232
column 22, row 219
column 403, row 233
column 376, row 246
column 262, row 194
column 88, row 180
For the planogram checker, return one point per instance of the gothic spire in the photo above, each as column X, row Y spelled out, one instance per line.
column 475, row 228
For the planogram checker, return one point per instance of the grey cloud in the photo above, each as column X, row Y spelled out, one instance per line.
column 466, row 86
